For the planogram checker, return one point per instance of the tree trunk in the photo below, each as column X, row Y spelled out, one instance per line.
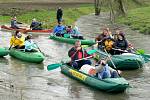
column 121, row 7
column 97, row 7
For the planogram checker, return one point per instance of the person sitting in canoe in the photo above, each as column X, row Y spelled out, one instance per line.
column 76, row 53
column 17, row 40
column 109, row 32
column 35, row 25
column 59, row 30
column 76, row 34
column 30, row 45
column 14, row 23
column 102, row 36
column 108, row 44
column 101, row 69
column 121, row 44
column 68, row 31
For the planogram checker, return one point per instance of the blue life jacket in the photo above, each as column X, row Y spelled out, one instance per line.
column 59, row 29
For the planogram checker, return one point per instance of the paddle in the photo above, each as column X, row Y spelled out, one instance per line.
column 39, row 49
column 112, row 62
column 142, row 53
column 137, row 52
column 54, row 66
column 94, row 51
column 57, row 65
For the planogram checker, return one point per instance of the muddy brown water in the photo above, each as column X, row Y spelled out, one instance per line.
column 28, row 81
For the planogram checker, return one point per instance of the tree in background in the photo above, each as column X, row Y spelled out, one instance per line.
column 116, row 7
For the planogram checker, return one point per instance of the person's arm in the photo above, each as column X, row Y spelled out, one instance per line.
column 116, row 45
column 27, row 45
column 99, row 68
column 72, row 52
column 12, row 40
column 55, row 29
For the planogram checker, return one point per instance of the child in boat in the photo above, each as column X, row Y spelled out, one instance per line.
column 108, row 44
column 17, row 40
column 76, row 34
column 121, row 44
column 68, row 32
column 101, row 69
column 30, row 45
column 76, row 53
column 59, row 30
column 35, row 25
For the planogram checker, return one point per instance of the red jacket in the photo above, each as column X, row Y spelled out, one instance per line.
column 75, row 55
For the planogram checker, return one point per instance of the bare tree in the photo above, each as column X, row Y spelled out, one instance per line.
column 98, row 4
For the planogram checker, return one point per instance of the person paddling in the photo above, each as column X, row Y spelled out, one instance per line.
column 76, row 53
column 14, row 23
column 17, row 40
column 59, row 30
column 30, row 45
column 35, row 25
column 101, row 69
column 108, row 44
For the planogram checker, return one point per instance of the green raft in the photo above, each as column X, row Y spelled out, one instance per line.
column 125, row 61
column 3, row 52
column 71, row 40
column 34, row 57
column 107, row 85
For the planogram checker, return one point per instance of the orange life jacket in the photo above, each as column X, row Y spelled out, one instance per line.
column 108, row 44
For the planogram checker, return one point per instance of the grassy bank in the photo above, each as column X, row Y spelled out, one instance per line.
column 137, row 19
column 48, row 17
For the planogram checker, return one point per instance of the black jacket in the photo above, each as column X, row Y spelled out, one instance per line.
column 59, row 13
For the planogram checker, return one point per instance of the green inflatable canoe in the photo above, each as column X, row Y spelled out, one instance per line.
column 71, row 40
column 107, row 85
column 34, row 57
column 3, row 52
column 125, row 61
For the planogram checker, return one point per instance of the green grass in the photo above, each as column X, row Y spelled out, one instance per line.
column 137, row 19
column 48, row 17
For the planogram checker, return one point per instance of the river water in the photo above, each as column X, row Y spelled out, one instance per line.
column 28, row 81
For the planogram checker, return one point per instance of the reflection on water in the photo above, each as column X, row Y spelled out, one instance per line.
column 33, row 82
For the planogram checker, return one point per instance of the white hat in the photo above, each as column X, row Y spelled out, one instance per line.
column 33, row 19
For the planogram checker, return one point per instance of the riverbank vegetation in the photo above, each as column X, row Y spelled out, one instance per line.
column 48, row 17
column 137, row 19
column 137, row 15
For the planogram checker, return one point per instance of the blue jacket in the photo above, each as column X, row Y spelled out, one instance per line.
column 104, row 72
column 59, row 29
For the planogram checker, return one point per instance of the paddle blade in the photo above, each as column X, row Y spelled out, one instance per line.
column 140, row 51
column 53, row 66
column 92, row 51
column 85, row 46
